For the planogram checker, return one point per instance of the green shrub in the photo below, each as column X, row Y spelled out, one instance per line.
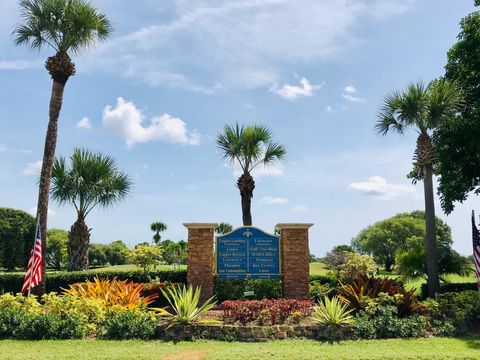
column 131, row 325
column 61, row 280
column 318, row 291
column 233, row 289
column 449, row 288
column 12, row 323
column 461, row 309
column 385, row 323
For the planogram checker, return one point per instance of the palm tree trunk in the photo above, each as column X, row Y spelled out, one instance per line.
column 430, row 238
column 78, row 244
column 246, row 185
column 56, row 100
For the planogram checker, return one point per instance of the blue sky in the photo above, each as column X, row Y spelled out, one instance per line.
column 156, row 95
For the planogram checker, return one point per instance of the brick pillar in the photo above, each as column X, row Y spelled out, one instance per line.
column 295, row 260
column 200, row 257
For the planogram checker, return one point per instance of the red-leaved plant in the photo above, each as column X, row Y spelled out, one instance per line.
column 279, row 310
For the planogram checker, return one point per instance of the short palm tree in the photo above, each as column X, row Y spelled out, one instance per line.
column 248, row 147
column 91, row 180
column 423, row 108
column 223, row 228
column 157, row 227
column 65, row 26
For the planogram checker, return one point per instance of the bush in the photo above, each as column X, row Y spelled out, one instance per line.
column 131, row 325
column 358, row 292
column 461, row 310
column 61, row 280
column 332, row 313
column 233, row 289
column 318, row 291
column 277, row 311
column 449, row 288
column 384, row 323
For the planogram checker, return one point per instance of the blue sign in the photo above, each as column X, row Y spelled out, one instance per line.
column 248, row 251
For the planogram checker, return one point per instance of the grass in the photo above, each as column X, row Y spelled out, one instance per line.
column 433, row 348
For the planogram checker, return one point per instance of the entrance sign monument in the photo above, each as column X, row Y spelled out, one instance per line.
column 247, row 252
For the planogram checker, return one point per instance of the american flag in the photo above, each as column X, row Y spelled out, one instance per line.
column 33, row 277
column 476, row 248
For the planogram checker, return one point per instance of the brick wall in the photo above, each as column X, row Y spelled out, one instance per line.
column 201, row 257
column 295, row 260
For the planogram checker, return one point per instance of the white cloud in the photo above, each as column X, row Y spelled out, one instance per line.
column 292, row 92
column 378, row 186
column 299, row 208
column 329, row 109
column 84, row 123
column 33, row 168
column 273, row 200
column 243, row 43
column 18, row 65
column 350, row 94
column 127, row 121
column 5, row 148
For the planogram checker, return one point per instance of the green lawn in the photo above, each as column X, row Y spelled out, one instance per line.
column 434, row 348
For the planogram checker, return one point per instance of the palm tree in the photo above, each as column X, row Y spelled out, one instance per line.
column 422, row 108
column 157, row 227
column 90, row 180
column 248, row 147
column 223, row 228
column 65, row 26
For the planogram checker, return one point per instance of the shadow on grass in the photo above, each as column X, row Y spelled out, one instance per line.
column 472, row 341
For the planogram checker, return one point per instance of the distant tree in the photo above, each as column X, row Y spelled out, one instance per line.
column 17, row 233
column 385, row 238
column 157, row 227
column 346, row 248
column 56, row 253
column 457, row 142
column 313, row 258
column 91, row 180
column 97, row 255
column 422, row 108
column 248, row 147
column 145, row 256
column 116, row 253
column 174, row 253
column 223, row 228
column 335, row 259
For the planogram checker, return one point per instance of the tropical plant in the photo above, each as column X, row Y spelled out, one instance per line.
column 65, row 26
column 422, row 108
column 145, row 256
column 332, row 313
column 358, row 292
column 112, row 292
column 157, row 227
column 248, row 147
column 185, row 304
column 223, row 228
column 56, row 253
column 91, row 180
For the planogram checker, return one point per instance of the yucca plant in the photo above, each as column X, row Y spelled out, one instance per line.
column 111, row 292
column 332, row 313
column 185, row 304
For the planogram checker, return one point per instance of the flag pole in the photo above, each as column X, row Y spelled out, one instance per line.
column 34, row 242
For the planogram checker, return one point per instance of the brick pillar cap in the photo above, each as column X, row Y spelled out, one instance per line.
column 200, row 225
column 294, row 225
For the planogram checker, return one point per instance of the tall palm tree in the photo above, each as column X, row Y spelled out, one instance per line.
column 91, row 180
column 157, row 227
column 248, row 147
column 65, row 26
column 423, row 108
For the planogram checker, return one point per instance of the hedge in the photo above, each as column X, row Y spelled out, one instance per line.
column 449, row 287
column 58, row 280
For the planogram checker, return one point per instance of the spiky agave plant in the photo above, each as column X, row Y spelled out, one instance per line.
column 185, row 304
column 332, row 313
